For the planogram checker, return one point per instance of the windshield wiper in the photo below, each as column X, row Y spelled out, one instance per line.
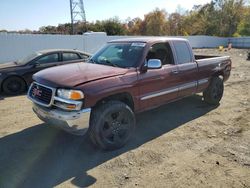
column 110, row 63
column 105, row 61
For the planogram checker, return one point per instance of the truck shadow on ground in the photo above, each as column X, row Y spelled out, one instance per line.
column 4, row 96
column 42, row 156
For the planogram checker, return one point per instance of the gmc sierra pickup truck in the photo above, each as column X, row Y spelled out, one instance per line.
column 123, row 78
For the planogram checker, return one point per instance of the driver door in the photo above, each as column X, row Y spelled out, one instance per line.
column 158, row 86
column 43, row 62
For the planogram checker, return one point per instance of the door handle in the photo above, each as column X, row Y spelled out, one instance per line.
column 174, row 71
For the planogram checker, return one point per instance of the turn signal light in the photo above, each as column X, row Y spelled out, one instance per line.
column 76, row 95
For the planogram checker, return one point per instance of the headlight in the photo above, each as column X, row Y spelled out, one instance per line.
column 70, row 94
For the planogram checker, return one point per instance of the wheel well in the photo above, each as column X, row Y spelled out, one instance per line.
column 219, row 74
column 123, row 97
column 26, row 85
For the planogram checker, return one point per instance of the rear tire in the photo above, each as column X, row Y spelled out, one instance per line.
column 14, row 86
column 214, row 92
column 111, row 125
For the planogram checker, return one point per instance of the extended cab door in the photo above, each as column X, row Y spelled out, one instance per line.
column 158, row 86
column 187, row 68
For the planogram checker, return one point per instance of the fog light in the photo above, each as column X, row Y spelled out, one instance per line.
column 65, row 105
column 70, row 106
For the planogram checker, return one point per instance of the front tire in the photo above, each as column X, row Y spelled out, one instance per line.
column 111, row 125
column 214, row 92
column 14, row 86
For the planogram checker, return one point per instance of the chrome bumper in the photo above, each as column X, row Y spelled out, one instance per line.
column 74, row 122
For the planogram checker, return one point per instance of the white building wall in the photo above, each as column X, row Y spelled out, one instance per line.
column 16, row 46
column 207, row 41
column 240, row 42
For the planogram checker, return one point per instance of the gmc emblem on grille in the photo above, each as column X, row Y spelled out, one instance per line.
column 36, row 92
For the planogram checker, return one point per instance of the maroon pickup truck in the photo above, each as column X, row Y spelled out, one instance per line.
column 123, row 78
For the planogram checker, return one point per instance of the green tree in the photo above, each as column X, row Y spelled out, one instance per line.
column 230, row 14
column 209, row 19
column 155, row 23
column 64, row 28
column 217, row 18
column 135, row 26
column 193, row 24
column 243, row 28
column 113, row 26
column 48, row 29
column 176, row 24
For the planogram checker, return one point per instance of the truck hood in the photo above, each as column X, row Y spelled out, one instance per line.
column 73, row 75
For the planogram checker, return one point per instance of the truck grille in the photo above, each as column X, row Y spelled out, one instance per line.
column 40, row 94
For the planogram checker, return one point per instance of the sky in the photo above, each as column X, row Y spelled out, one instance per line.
column 32, row 14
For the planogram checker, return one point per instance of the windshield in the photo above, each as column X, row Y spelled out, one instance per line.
column 122, row 55
column 28, row 58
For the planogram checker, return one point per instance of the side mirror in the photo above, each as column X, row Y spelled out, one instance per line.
column 154, row 64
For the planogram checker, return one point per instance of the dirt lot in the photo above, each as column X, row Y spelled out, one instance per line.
column 184, row 144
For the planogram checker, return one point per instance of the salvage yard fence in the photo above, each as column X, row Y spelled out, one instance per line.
column 16, row 46
column 240, row 42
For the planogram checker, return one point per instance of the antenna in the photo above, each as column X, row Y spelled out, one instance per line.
column 77, row 14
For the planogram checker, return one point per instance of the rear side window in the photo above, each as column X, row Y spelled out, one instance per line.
column 70, row 56
column 48, row 58
column 182, row 52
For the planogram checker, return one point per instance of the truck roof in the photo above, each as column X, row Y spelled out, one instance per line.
column 149, row 39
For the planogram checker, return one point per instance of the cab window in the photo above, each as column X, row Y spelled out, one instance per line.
column 182, row 52
column 161, row 51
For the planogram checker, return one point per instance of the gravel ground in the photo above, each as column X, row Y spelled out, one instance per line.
column 183, row 144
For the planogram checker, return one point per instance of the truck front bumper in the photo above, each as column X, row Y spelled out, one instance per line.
column 74, row 122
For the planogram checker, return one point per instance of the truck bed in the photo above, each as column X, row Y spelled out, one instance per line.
column 197, row 57
column 220, row 64
column 211, row 59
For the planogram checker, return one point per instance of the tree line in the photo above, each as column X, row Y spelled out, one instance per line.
column 224, row 18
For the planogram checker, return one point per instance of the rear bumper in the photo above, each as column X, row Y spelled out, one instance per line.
column 74, row 122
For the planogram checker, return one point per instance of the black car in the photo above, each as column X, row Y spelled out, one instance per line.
column 15, row 77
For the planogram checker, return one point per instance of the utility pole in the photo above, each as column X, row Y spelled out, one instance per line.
column 77, row 13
